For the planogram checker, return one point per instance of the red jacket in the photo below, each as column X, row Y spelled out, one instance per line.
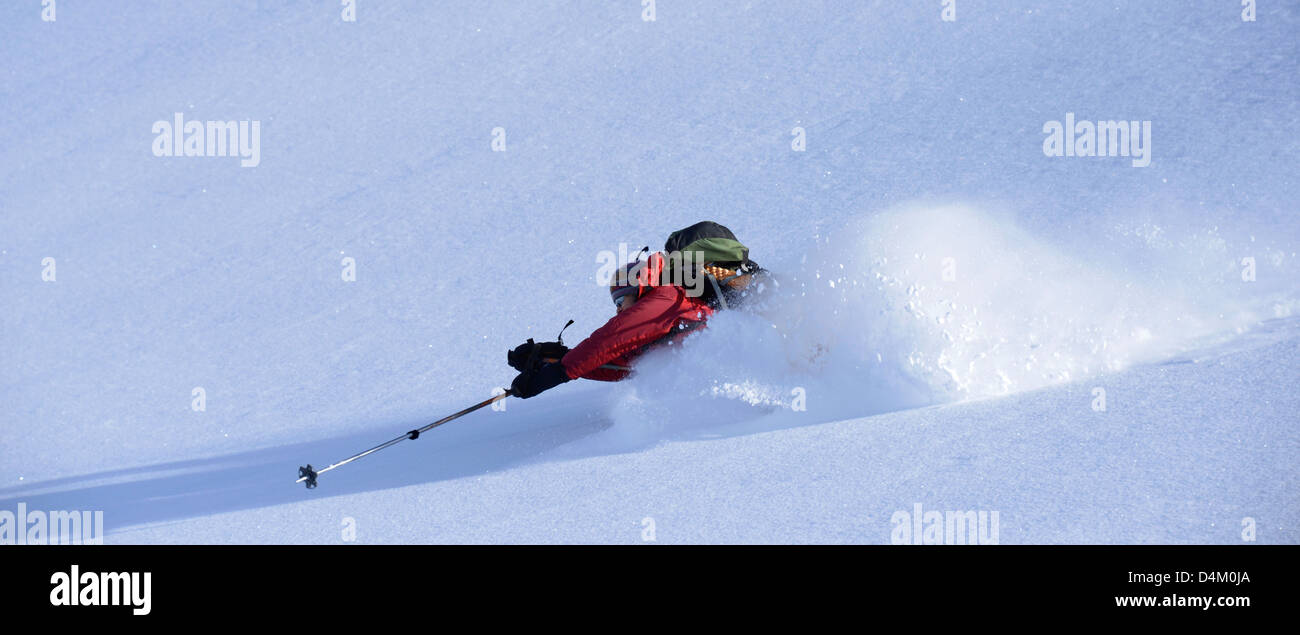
column 656, row 315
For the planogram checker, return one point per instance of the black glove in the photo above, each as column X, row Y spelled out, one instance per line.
column 522, row 357
column 533, row 383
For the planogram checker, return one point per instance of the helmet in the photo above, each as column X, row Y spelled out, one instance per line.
column 636, row 278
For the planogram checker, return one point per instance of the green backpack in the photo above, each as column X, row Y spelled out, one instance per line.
column 709, row 255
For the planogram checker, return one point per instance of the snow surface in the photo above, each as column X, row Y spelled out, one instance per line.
column 924, row 155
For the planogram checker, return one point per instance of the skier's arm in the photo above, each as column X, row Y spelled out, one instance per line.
column 649, row 319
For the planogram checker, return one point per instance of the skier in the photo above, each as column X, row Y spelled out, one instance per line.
column 657, row 300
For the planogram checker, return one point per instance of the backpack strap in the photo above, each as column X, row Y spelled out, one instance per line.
column 717, row 291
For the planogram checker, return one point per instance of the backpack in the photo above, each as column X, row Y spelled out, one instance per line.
column 709, row 254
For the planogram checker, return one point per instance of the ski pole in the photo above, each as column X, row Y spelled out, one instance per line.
column 309, row 475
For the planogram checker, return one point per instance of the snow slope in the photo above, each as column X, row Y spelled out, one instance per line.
column 948, row 299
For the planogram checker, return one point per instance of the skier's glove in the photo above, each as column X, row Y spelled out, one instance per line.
column 533, row 383
column 522, row 357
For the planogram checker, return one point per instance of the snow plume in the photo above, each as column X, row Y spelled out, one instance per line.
column 924, row 305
